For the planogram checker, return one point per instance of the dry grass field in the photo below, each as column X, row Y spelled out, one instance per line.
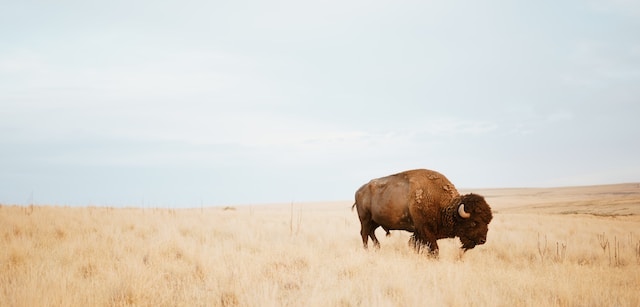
column 546, row 247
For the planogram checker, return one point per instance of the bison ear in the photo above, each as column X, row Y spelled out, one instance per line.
column 463, row 213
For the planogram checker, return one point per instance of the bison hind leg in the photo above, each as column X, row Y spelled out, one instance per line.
column 368, row 230
column 372, row 233
column 364, row 232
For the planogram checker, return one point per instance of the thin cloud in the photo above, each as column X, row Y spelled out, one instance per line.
column 454, row 126
column 616, row 7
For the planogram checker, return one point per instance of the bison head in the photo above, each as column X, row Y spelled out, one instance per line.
column 472, row 223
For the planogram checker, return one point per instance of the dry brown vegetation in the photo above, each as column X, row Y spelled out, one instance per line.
column 546, row 247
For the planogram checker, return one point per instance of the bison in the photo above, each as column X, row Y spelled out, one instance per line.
column 426, row 203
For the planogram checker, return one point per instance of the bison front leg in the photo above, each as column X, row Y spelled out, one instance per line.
column 420, row 241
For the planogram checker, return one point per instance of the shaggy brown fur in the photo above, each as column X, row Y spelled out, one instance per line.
column 424, row 202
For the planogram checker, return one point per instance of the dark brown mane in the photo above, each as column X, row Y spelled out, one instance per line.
column 478, row 207
column 449, row 216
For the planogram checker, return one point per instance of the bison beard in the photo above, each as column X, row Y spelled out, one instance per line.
column 423, row 202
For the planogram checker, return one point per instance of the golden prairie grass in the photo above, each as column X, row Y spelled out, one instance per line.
column 311, row 255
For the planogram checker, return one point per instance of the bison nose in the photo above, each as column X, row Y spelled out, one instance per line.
column 482, row 241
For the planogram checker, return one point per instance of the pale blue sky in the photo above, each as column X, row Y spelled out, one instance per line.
column 189, row 103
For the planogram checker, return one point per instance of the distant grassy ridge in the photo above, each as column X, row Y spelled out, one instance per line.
column 601, row 200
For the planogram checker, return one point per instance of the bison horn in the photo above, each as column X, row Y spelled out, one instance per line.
column 463, row 213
